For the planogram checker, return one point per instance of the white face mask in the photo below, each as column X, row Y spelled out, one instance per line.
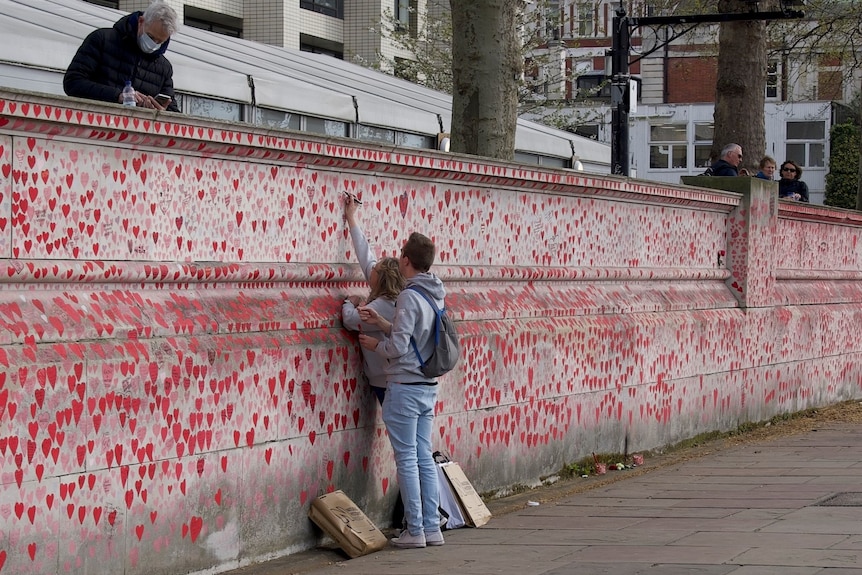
column 147, row 44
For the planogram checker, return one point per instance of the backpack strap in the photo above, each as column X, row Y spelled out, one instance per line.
column 437, row 310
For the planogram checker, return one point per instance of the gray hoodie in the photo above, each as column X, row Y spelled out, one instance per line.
column 413, row 316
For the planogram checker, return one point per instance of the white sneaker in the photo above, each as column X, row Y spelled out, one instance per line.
column 407, row 541
column 434, row 539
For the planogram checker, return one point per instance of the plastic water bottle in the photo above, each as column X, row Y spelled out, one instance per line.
column 129, row 95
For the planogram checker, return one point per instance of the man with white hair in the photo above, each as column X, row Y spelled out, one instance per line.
column 133, row 50
column 728, row 163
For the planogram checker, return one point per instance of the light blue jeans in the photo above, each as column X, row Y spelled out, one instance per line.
column 408, row 412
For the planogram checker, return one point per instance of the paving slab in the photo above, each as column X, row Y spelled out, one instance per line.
column 751, row 509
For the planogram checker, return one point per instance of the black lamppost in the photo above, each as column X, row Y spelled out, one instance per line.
column 621, row 47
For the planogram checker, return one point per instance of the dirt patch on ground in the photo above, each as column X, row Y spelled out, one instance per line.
column 848, row 412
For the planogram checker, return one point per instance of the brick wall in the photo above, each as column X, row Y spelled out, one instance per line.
column 691, row 80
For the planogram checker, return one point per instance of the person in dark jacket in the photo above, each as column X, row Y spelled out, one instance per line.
column 134, row 49
column 790, row 187
column 728, row 162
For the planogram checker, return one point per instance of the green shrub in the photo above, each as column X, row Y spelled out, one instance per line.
column 842, row 181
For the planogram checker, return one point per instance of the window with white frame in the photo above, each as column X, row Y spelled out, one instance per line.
column 805, row 143
column 546, row 20
column 772, row 80
column 703, row 134
column 586, row 23
column 668, row 147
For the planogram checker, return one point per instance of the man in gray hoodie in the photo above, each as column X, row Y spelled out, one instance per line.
column 408, row 409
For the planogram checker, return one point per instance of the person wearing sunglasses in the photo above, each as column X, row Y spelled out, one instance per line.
column 134, row 51
column 729, row 161
column 790, row 186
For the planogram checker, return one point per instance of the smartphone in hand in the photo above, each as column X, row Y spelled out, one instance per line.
column 163, row 100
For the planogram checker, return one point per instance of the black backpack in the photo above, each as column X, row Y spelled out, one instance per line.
column 446, row 347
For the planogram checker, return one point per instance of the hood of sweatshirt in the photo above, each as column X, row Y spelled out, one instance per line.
column 414, row 317
column 431, row 284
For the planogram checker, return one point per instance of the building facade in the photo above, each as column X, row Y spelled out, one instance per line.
column 345, row 29
column 671, row 127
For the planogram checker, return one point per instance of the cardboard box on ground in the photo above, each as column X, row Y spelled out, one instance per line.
column 339, row 517
column 342, row 520
column 475, row 511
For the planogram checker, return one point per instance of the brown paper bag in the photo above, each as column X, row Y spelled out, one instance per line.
column 342, row 520
column 475, row 511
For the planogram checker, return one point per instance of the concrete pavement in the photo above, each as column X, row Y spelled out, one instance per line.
column 789, row 506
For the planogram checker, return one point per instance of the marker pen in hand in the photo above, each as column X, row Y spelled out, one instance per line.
column 355, row 199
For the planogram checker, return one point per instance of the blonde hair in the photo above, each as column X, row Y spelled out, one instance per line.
column 765, row 160
column 390, row 282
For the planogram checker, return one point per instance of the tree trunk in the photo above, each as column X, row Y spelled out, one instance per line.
column 486, row 71
column 741, row 86
column 859, row 179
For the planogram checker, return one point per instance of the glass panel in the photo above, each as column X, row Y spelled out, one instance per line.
column 772, row 79
column 209, row 108
column 372, row 134
column 703, row 132
column 680, row 157
column 796, row 152
column 806, row 130
column 701, row 156
column 658, row 156
column 327, row 127
column 585, row 20
column 554, row 162
column 328, row 7
column 667, row 133
column 414, row 140
column 524, row 158
column 816, row 155
column 315, row 125
column 588, row 131
column 335, row 128
column 593, row 86
column 277, row 119
column 402, row 11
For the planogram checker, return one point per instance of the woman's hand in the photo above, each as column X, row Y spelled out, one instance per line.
column 350, row 207
column 370, row 315
column 368, row 342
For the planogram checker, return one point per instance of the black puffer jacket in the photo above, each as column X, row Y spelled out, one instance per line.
column 110, row 56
